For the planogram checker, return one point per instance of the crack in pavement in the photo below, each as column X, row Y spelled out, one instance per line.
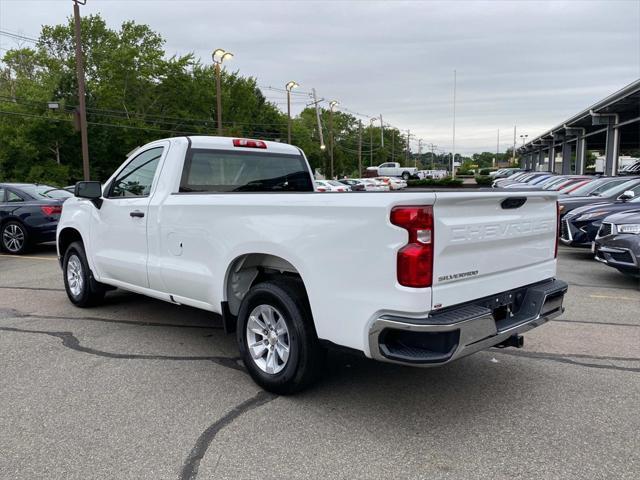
column 70, row 341
column 192, row 463
column 11, row 313
column 554, row 357
column 32, row 288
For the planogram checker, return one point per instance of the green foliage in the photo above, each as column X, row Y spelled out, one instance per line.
column 135, row 94
column 430, row 182
column 486, row 171
column 484, row 180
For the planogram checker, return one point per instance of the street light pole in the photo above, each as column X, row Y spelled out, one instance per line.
column 371, row 120
column 289, row 86
column 218, row 56
column 453, row 154
column 84, row 137
column 359, row 148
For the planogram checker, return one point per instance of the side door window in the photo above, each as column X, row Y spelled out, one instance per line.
column 136, row 179
column 13, row 197
column 1, row 195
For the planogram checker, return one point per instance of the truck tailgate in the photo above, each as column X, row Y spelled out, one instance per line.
column 491, row 242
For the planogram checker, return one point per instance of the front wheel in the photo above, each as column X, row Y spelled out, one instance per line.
column 82, row 289
column 277, row 338
column 406, row 176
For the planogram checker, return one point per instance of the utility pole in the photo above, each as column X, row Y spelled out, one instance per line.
column 406, row 153
column 84, row 137
column 316, row 102
column 453, row 154
column 359, row 148
column 393, row 144
column 433, row 164
column 381, row 132
column 419, row 153
column 332, row 104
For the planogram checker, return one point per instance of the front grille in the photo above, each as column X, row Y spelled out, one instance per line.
column 605, row 230
column 624, row 257
column 564, row 230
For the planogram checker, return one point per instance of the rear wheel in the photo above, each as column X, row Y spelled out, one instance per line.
column 277, row 339
column 14, row 237
column 82, row 289
column 406, row 176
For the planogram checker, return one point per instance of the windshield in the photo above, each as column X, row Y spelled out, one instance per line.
column 590, row 187
column 335, row 183
column 617, row 189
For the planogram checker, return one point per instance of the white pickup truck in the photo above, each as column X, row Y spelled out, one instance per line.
column 235, row 227
column 394, row 169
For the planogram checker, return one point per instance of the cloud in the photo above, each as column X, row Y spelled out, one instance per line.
column 530, row 63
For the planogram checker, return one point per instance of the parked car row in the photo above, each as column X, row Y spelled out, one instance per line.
column 600, row 213
column 377, row 184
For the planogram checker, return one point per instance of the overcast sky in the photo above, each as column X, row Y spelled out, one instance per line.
column 525, row 63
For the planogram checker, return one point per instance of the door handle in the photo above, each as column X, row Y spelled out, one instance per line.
column 136, row 213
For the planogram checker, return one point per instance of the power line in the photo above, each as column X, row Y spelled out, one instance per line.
column 17, row 36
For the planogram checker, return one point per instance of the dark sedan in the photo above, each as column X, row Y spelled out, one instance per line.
column 609, row 195
column 29, row 214
column 579, row 227
column 356, row 185
column 618, row 243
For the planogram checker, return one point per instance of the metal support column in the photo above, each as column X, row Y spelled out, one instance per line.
column 611, row 150
column 552, row 157
column 541, row 156
column 579, row 133
column 566, row 158
column 612, row 145
column 581, row 155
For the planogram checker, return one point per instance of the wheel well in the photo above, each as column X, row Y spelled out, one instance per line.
column 250, row 269
column 67, row 237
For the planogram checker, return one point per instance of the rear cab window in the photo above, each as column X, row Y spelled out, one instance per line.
column 209, row 170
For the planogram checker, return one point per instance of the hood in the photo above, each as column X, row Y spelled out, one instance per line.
column 604, row 208
column 629, row 216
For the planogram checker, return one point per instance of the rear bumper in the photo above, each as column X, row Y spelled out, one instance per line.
column 459, row 331
column 45, row 232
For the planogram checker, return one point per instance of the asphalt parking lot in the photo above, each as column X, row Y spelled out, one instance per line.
column 141, row 389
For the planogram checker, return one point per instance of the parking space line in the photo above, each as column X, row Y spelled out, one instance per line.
column 610, row 297
column 28, row 257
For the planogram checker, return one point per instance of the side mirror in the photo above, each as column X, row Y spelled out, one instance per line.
column 627, row 195
column 89, row 190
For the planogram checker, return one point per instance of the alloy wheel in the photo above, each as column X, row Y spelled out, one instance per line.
column 13, row 238
column 75, row 280
column 268, row 339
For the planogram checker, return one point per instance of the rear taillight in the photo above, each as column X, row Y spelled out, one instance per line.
column 49, row 210
column 555, row 254
column 415, row 259
column 243, row 142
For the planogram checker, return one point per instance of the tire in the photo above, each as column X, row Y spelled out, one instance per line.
column 263, row 357
column 406, row 176
column 14, row 237
column 81, row 287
